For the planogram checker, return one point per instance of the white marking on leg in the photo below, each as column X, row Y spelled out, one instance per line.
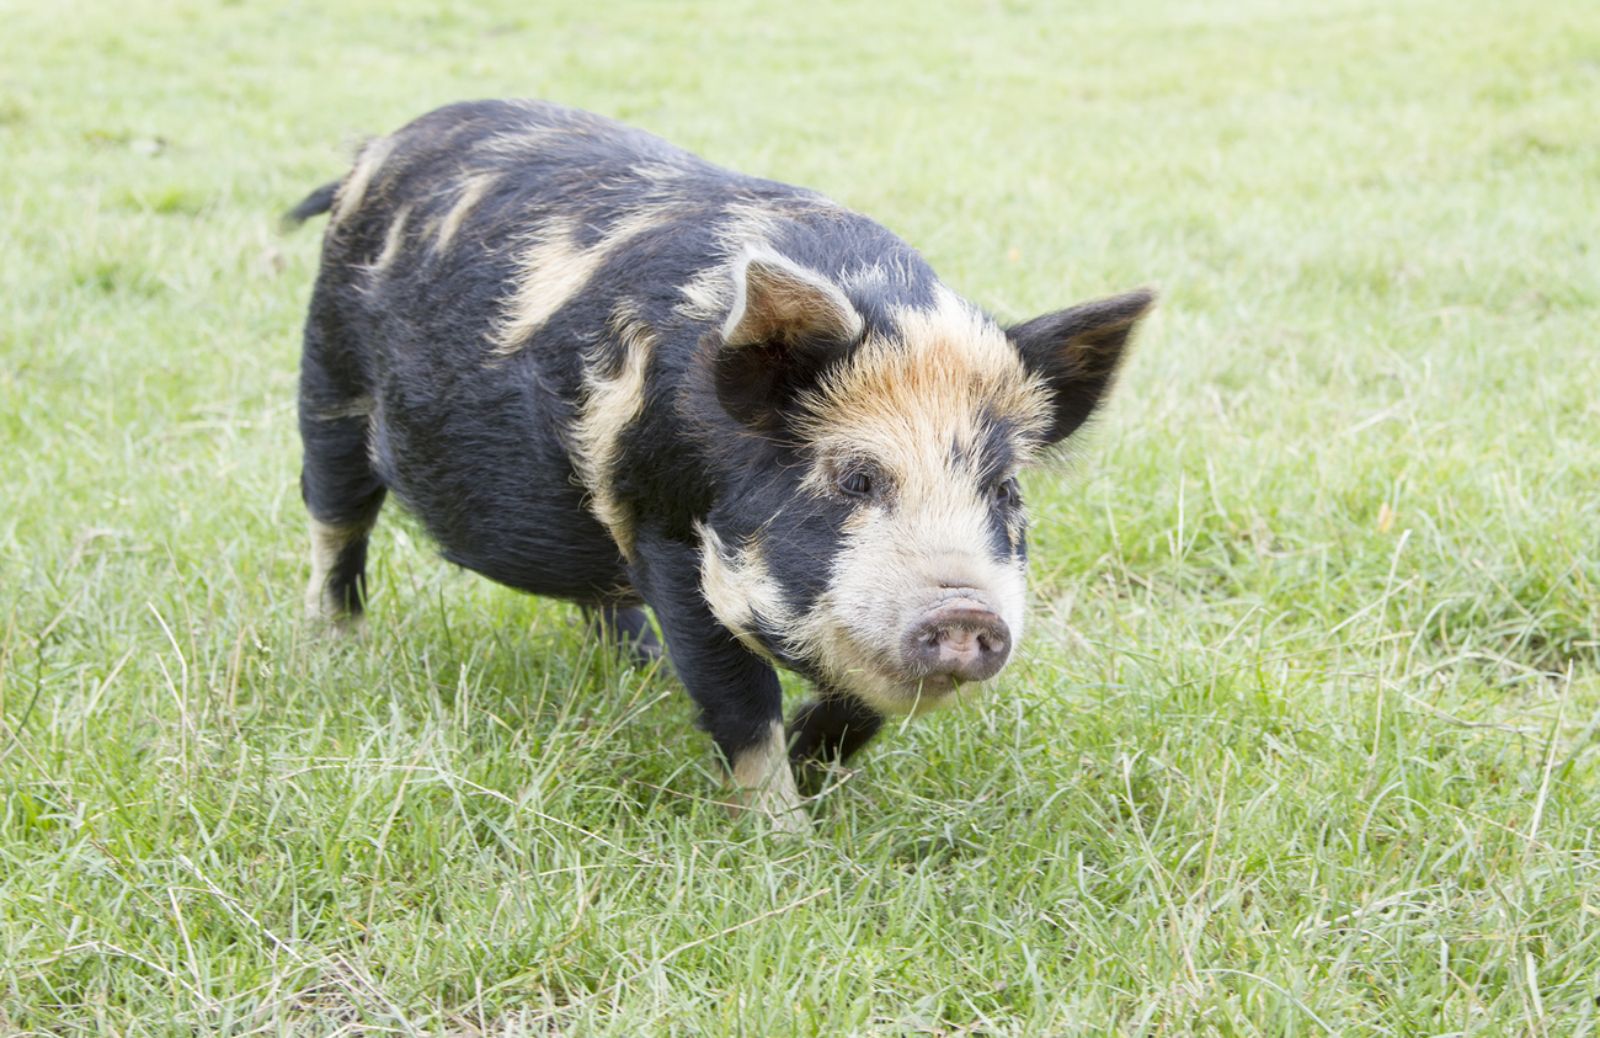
column 765, row 783
column 328, row 541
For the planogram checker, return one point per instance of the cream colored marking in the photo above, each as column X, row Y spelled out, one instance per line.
column 609, row 407
column 765, row 783
column 393, row 239
column 374, row 419
column 737, row 588
column 554, row 268
column 355, row 407
column 744, row 224
column 520, row 142
column 327, row 541
column 473, row 188
column 869, row 276
column 353, row 191
column 901, row 399
column 707, row 295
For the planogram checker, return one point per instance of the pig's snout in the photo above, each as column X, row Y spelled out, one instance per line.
column 960, row 638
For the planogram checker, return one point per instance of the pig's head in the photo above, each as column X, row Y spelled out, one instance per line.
column 872, row 533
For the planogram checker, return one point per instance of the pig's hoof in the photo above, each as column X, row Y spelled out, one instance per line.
column 790, row 823
column 774, row 813
column 767, row 789
column 324, row 616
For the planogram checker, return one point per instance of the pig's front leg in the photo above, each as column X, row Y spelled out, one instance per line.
column 740, row 699
column 827, row 730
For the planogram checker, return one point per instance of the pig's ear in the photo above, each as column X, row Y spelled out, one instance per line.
column 785, row 324
column 1077, row 351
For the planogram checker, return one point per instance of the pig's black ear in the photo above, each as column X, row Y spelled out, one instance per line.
column 1077, row 352
column 785, row 324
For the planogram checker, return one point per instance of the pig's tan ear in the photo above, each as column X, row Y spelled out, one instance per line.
column 1077, row 352
column 785, row 324
column 778, row 302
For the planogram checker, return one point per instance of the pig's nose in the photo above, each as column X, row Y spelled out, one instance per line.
column 961, row 638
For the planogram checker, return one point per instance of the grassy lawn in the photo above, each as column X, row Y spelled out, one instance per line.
column 1306, row 736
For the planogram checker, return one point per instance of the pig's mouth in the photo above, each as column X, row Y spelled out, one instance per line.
column 956, row 642
column 914, row 695
column 936, row 689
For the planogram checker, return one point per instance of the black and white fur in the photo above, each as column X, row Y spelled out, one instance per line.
column 602, row 369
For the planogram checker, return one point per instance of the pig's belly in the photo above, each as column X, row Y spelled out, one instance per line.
column 544, row 561
column 502, row 501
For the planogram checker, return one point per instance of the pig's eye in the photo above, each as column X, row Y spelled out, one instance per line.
column 1007, row 493
column 856, row 483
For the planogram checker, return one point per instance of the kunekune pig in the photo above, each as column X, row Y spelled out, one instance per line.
column 600, row 368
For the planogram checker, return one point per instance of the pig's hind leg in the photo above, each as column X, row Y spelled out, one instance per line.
column 340, row 488
column 626, row 627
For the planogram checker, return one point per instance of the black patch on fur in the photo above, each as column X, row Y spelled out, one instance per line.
column 994, row 455
column 758, row 384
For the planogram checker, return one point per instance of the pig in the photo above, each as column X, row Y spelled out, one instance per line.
column 602, row 369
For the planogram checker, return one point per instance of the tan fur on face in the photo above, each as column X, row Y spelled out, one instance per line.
column 609, row 407
column 765, row 783
column 353, row 190
column 944, row 368
column 901, row 404
column 554, row 268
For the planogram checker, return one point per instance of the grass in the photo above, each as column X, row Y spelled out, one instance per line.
column 1305, row 740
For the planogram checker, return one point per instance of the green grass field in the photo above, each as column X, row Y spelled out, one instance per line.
column 1306, row 736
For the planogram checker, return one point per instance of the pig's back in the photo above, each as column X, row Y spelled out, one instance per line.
column 485, row 257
